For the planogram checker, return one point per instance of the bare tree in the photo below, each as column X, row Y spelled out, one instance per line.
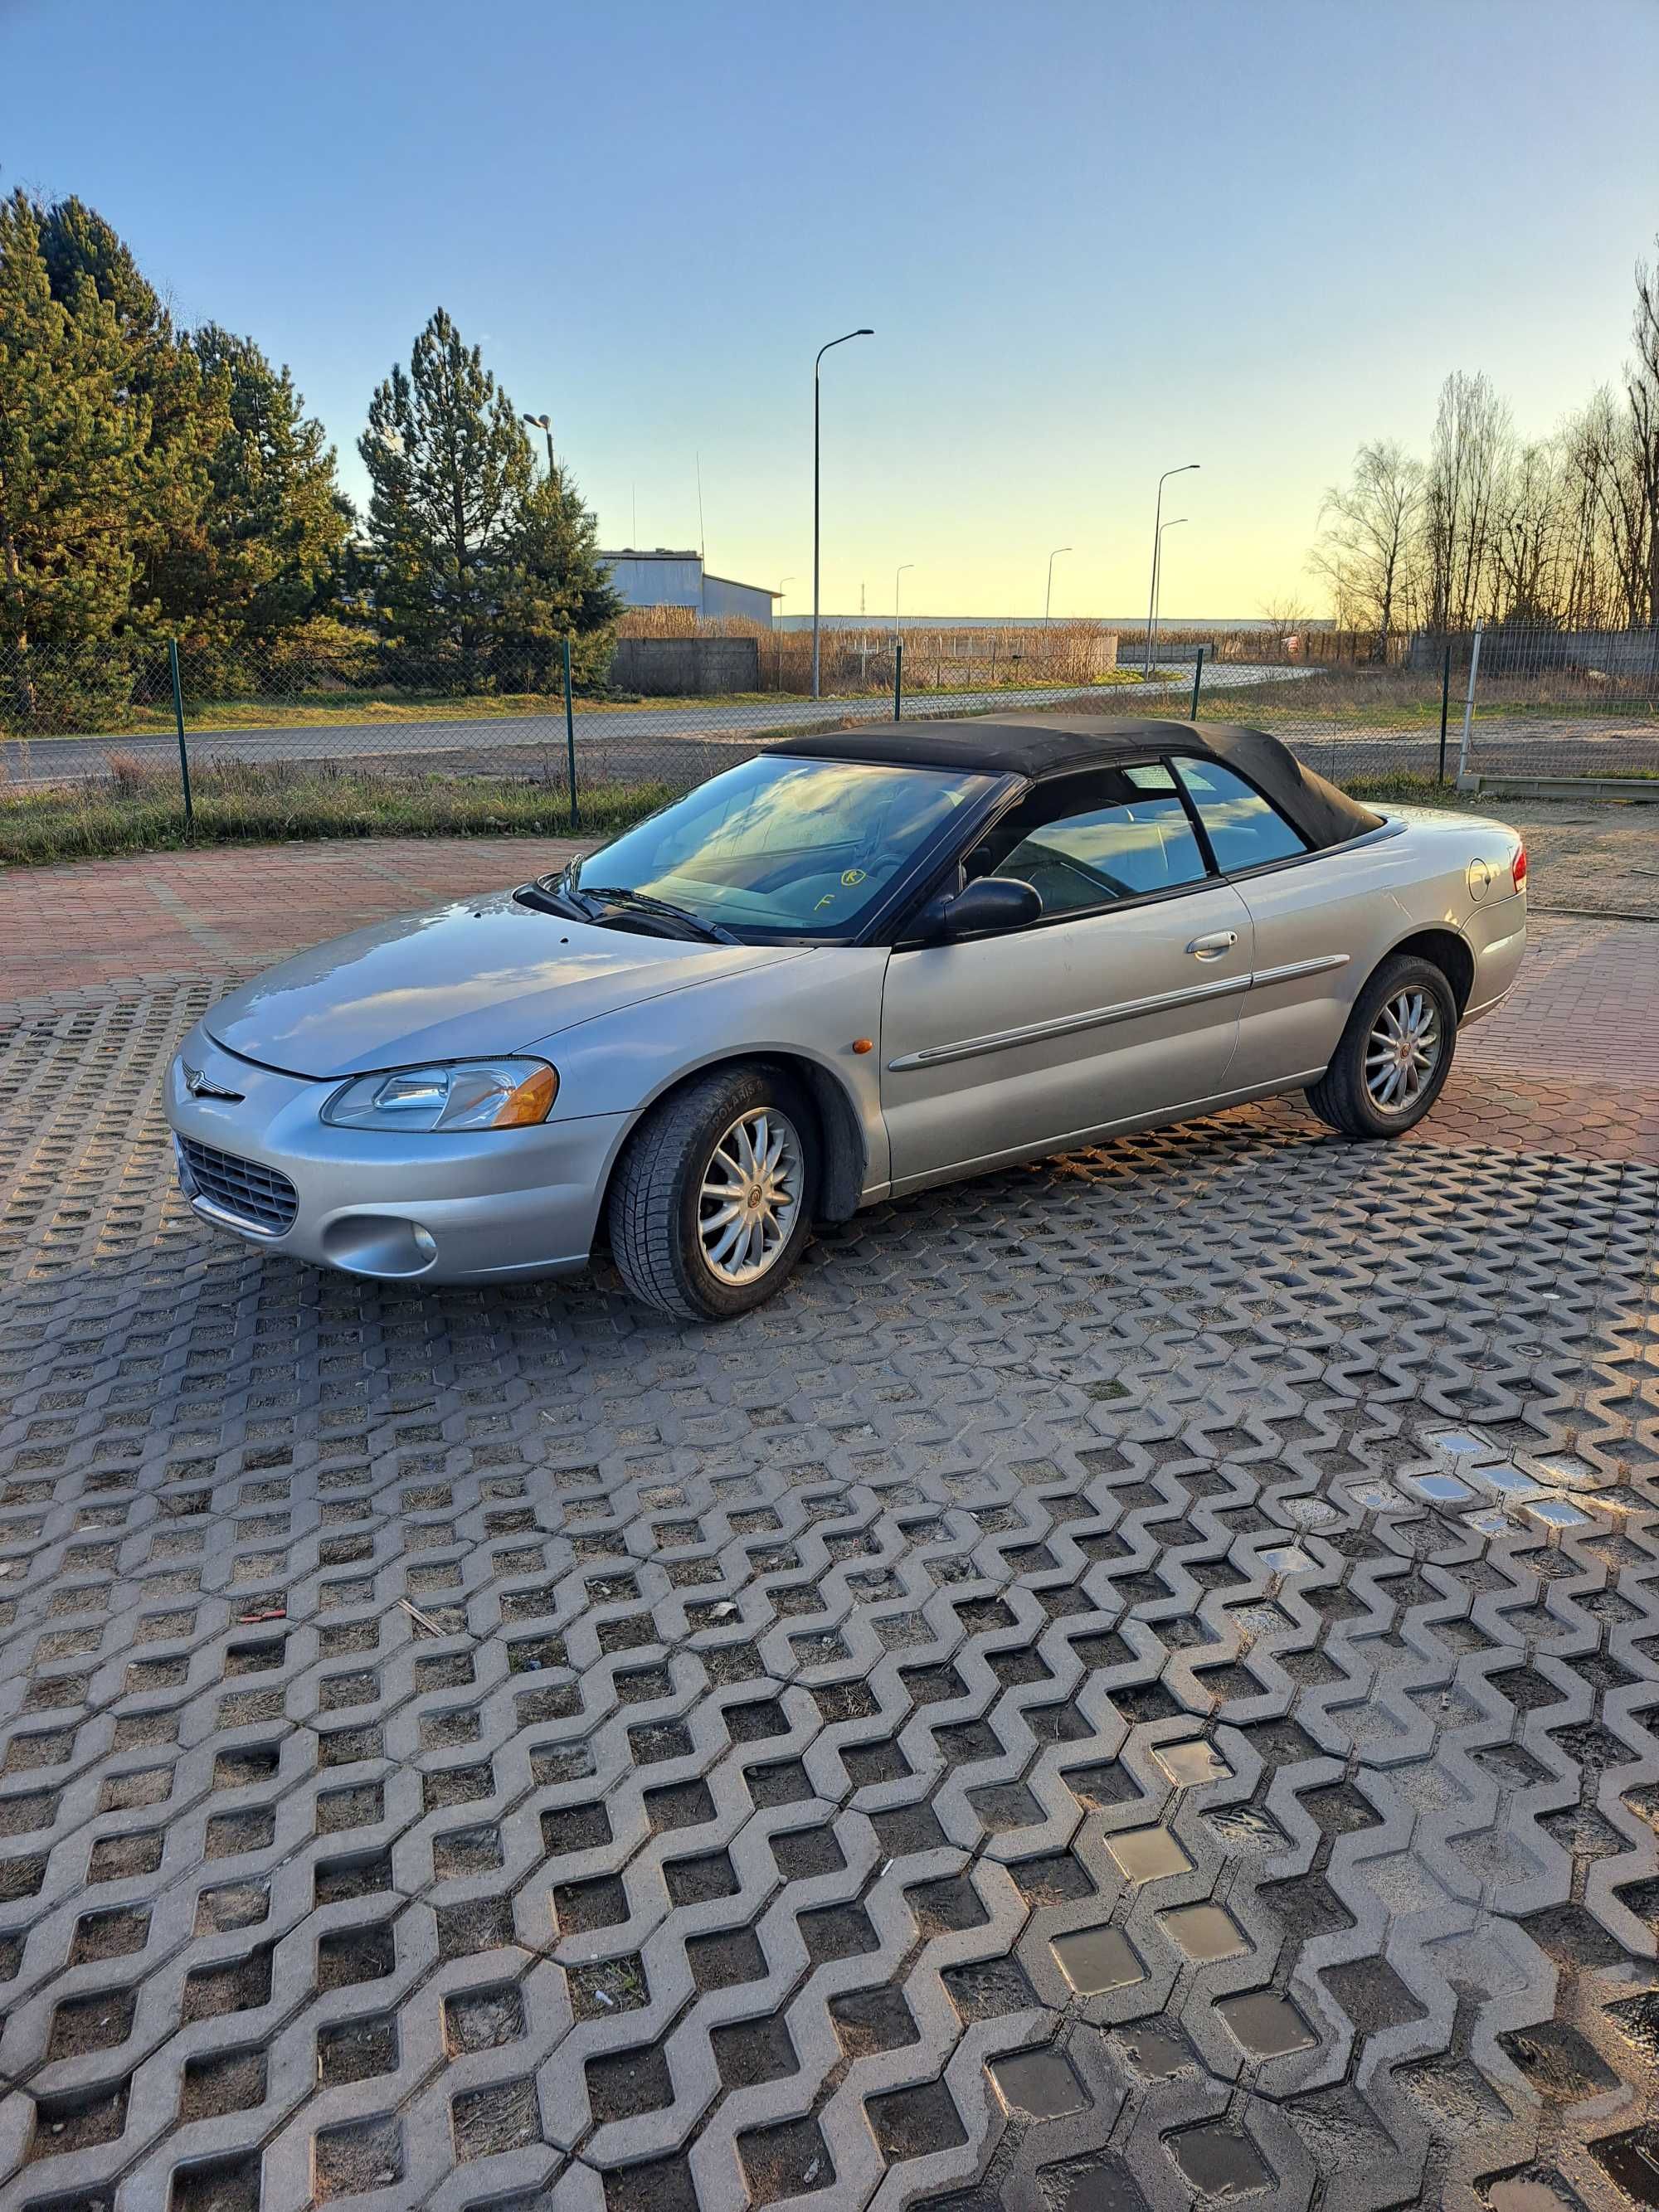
column 1642, row 390
column 1472, row 440
column 1562, row 530
column 1369, row 541
column 1528, row 535
column 1283, row 618
column 1586, row 582
column 1606, row 583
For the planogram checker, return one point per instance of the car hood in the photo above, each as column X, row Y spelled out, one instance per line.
column 485, row 975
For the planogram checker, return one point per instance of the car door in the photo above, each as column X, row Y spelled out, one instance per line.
column 1322, row 921
column 1119, row 1005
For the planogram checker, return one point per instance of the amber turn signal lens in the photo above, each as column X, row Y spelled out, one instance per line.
column 863, row 1044
column 531, row 1102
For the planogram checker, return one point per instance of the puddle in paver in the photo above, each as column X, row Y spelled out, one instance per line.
column 1096, row 1959
column 1218, row 2159
column 1441, row 1489
column 1187, row 1764
column 1157, row 2052
column 1526, row 2196
column 1289, row 1560
column 1203, row 1932
column 1554, row 1512
column 1040, row 2082
column 1492, row 1523
column 1632, row 2161
column 1145, row 1854
column 1266, row 2023
column 1457, row 1444
column 1507, row 1480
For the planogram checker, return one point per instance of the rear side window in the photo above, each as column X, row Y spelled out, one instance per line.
column 1244, row 830
column 1083, row 842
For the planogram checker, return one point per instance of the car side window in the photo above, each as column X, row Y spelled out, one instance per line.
column 1244, row 830
column 1084, row 842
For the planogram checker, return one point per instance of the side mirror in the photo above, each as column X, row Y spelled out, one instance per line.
column 992, row 902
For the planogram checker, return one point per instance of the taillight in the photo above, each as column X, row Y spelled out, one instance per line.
column 1518, row 868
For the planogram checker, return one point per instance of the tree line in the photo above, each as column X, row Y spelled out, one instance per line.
column 158, row 482
column 1559, row 532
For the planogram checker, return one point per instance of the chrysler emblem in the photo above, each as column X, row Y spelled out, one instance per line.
column 201, row 1086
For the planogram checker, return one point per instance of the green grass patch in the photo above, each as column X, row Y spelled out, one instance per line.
column 1410, row 786
column 141, row 811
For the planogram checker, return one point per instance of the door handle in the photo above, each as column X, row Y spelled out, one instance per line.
column 1212, row 947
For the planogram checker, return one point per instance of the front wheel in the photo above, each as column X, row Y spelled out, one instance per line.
column 712, row 1201
column 1395, row 1054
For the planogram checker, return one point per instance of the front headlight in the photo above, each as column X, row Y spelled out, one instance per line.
column 474, row 1094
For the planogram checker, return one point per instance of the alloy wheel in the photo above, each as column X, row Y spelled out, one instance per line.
column 1403, row 1051
column 750, row 1197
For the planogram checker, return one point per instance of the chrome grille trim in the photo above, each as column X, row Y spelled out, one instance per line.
column 248, row 1196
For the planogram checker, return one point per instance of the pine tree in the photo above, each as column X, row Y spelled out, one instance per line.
column 450, row 467
column 73, row 438
column 555, row 585
column 276, row 522
column 187, row 413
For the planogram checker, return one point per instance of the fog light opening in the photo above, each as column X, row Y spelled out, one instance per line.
column 387, row 1245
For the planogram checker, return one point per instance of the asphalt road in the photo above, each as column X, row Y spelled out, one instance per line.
column 448, row 741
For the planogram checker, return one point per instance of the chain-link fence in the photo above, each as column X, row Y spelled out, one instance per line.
column 304, row 741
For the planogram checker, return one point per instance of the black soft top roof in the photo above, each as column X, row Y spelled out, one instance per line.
column 1039, row 745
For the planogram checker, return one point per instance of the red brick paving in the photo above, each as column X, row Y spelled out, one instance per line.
column 159, row 914
column 1570, row 1064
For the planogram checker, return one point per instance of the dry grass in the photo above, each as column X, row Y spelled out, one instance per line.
column 854, row 662
column 1347, row 699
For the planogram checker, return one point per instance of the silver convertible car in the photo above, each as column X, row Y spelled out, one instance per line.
column 854, row 965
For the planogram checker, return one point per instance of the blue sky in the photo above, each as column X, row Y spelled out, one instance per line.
column 1093, row 239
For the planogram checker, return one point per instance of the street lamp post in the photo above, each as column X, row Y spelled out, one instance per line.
column 1048, row 592
column 817, row 358
column 544, row 424
column 1158, row 573
column 782, row 581
column 1152, row 596
column 897, row 573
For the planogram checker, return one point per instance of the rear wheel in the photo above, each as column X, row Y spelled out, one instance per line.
column 712, row 1201
column 1395, row 1054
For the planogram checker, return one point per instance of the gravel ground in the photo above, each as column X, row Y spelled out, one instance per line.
column 1586, row 859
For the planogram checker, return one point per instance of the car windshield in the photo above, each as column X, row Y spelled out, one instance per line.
column 784, row 848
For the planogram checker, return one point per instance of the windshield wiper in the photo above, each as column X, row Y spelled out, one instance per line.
column 663, row 909
column 554, row 896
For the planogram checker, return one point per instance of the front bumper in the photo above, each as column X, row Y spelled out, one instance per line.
column 466, row 1208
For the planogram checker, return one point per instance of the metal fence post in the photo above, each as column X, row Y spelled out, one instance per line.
column 178, row 717
column 1198, row 679
column 1445, row 703
column 570, row 735
column 1468, row 708
column 898, row 682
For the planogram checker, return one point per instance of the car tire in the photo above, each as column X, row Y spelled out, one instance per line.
column 1395, row 1052
column 666, row 1235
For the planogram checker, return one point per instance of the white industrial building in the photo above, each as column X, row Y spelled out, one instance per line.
column 663, row 578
